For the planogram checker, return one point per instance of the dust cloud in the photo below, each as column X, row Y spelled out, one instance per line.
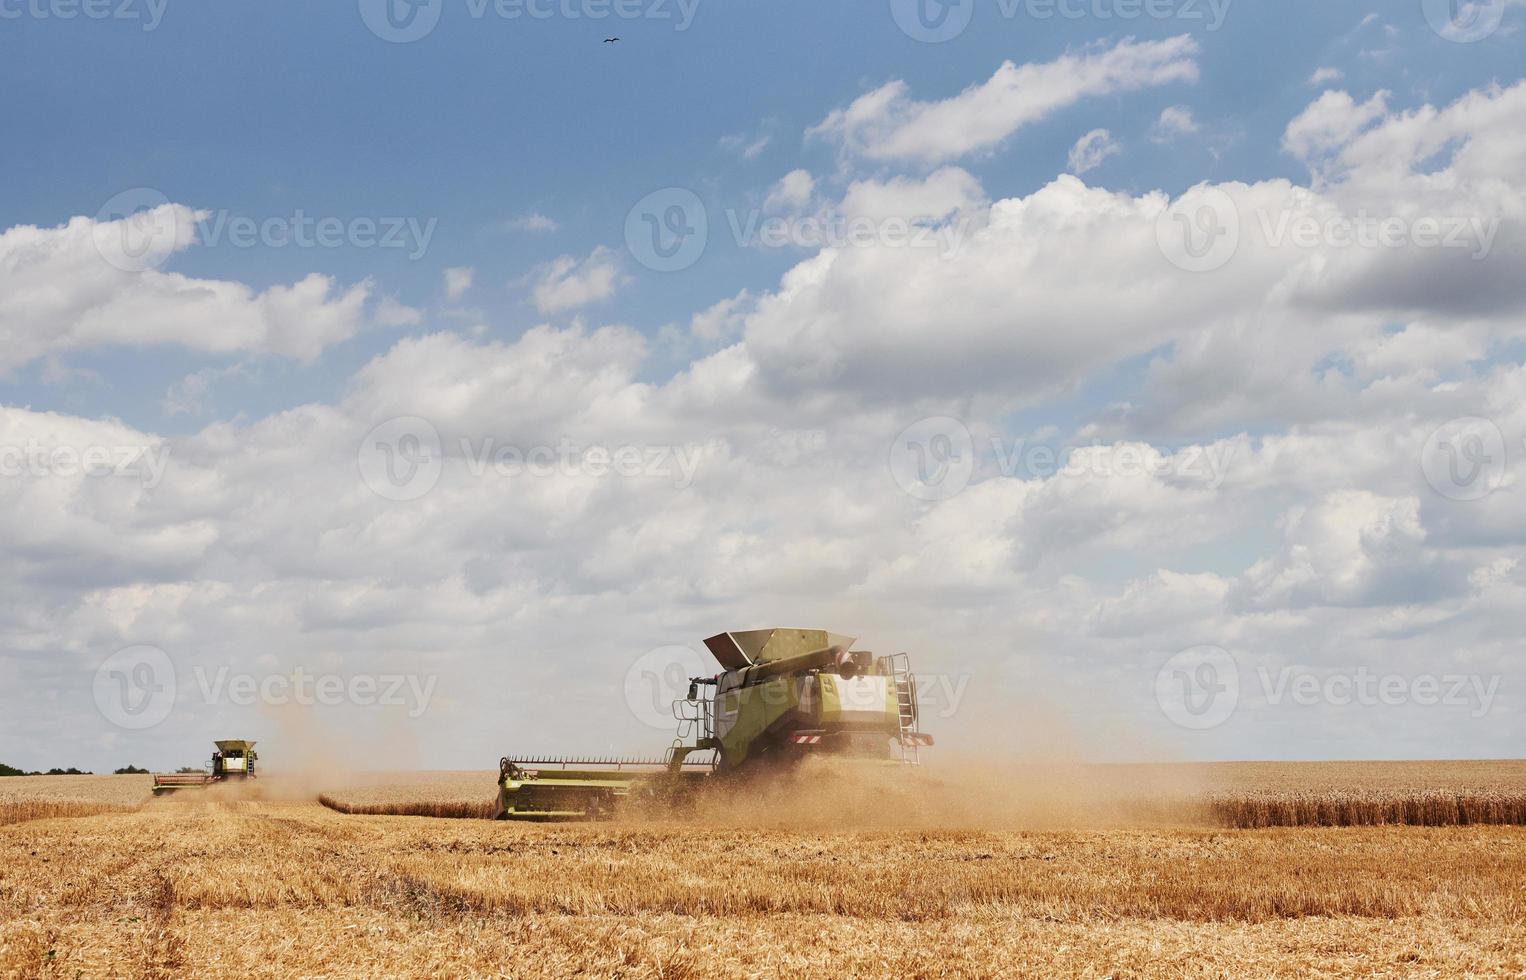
column 841, row 793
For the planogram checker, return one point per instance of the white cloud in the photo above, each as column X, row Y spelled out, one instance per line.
column 747, row 146
column 887, row 124
column 1010, row 313
column 391, row 313
column 792, row 192
column 1321, row 76
column 534, row 221
column 262, row 531
column 1091, row 149
column 1352, row 547
column 722, row 321
column 192, row 394
column 1481, row 127
column 945, row 192
column 60, row 292
column 566, row 283
column 1174, row 121
column 1317, row 541
column 1330, row 122
column 1014, row 317
column 458, row 280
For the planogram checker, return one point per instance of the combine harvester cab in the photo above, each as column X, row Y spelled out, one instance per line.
column 782, row 695
column 234, row 760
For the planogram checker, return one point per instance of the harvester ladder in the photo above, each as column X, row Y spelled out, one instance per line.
column 906, row 699
column 696, row 727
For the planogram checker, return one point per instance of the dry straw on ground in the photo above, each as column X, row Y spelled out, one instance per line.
column 216, row 887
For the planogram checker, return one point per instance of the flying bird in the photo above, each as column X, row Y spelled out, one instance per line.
column 610, row 40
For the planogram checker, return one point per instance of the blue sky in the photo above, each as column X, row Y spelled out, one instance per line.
column 298, row 106
column 1325, row 377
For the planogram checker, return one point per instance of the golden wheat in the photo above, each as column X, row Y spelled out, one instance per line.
column 1346, row 794
column 43, row 797
column 426, row 794
column 212, row 887
column 1239, row 795
column 1421, row 809
column 449, row 809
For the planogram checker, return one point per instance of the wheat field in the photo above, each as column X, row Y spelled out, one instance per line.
column 1241, row 795
column 1339, row 794
column 37, row 797
column 1028, row 877
column 456, row 795
column 228, row 887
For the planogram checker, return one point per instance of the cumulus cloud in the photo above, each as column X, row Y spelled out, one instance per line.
column 792, row 192
column 192, row 394
column 1014, row 319
column 1265, row 490
column 1479, row 129
column 1009, row 314
column 1330, row 122
column 263, row 531
column 945, row 192
column 1174, row 121
column 722, row 321
column 391, row 313
column 1352, row 547
column 566, row 283
column 82, row 285
column 1090, row 150
column 888, row 124
column 457, row 281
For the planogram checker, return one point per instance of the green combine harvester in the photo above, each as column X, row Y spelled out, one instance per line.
column 782, row 695
column 233, row 760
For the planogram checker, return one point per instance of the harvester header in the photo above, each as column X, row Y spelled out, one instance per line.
column 782, row 694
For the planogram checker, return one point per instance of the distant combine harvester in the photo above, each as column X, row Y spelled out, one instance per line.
column 234, row 759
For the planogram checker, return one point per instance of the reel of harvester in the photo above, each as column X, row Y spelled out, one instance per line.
column 782, row 695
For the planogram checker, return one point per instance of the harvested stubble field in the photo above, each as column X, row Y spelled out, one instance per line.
column 215, row 884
